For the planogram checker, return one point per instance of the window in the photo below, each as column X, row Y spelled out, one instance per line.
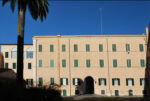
column 40, row 81
column 6, row 54
column 102, row 81
column 114, row 49
column 127, row 47
column 116, row 92
column 29, row 82
column 63, row 47
column 100, row 48
column 14, row 53
column 64, row 81
column 63, row 63
column 114, row 62
column 40, row 63
column 14, row 65
column 116, row 82
column 128, row 62
column 29, row 53
column 143, row 81
column 103, row 92
column 51, row 81
column 51, row 48
column 87, row 47
column 130, row 92
column 51, row 63
column 64, row 92
column 129, row 81
column 40, row 48
column 29, row 66
column 88, row 64
column 76, row 81
column 6, row 65
column 142, row 62
column 75, row 63
column 75, row 48
column 101, row 63
column 141, row 47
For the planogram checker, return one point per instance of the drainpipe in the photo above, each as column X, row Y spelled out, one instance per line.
column 69, row 68
column 35, row 62
column 58, row 36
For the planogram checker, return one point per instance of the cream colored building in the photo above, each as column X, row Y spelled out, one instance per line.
column 111, row 65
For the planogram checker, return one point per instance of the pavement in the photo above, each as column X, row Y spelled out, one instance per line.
column 94, row 97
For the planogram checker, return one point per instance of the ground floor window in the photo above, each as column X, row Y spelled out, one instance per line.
column 130, row 92
column 103, row 92
column 29, row 82
column 116, row 92
column 64, row 92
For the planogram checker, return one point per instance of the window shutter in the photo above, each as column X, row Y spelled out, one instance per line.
column 73, row 81
column 113, row 82
column 51, row 63
column 79, row 82
column 133, row 82
column 105, row 81
column 40, row 48
column 6, row 54
column 127, row 82
column 101, row 63
column 29, row 65
column 87, row 47
column 14, row 65
column 40, row 63
column 114, row 63
column 75, row 63
column 88, row 63
column 99, row 81
column 127, row 47
column 63, row 63
column 141, row 81
column 61, row 81
column 100, row 48
column 66, row 81
column 114, row 47
column 119, row 82
column 63, row 48
column 141, row 48
column 75, row 48
column 51, row 48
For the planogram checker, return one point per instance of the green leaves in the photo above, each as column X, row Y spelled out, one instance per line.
column 12, row 3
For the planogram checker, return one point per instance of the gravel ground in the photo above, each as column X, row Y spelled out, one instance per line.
column 103, row 98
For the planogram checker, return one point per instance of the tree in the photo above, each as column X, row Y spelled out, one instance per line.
column 37, row 9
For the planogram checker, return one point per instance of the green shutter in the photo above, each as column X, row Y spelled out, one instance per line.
column 63, row 48
column 114, row 63
column 40, row 63
column 6, row 65
column 51, row 63
column 51, row 48
column 105, row 81
column 64, row 92
column 40, row 48
column 75, row 48
column 128, row 62
column 127, row 82
column 133, row 81
column 66, row 81
column 51, row 81
column 141, row 47
column 87, row 47
column 141, row 81
column 100, row 48
column 88, row 64
column 29, row 65
column 63, row 63
column 119, row 82
column 40, row 81
column 101, row 63
column 14, row 65
column 113, row 82
column 99, row 81
column 75, row 63
column 73, row 81
column 6, row 54
column 61, row 81
column 114, row 48
column 142, row 61
column 127, row 47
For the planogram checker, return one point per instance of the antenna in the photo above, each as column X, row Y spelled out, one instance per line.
column 101, row 19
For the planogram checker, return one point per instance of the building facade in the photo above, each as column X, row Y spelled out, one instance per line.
column 111, row 65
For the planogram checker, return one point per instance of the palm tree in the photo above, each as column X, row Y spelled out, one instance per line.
column 37, row 9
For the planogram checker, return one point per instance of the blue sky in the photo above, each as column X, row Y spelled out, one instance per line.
column 79, row 17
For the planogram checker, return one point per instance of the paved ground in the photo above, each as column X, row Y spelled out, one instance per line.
column 102, row 98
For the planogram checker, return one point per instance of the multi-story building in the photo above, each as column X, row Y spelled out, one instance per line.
column 113, row 65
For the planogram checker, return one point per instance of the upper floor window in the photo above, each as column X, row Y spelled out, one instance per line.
column 51, row 48
column 14, row 53
column 102, row 81
column 76, row 81
column 29, row 53
column 101, row 63
column 51, row 63
column 64, row 81
column 114, row 48
column 40, row 81
column 14, row 65
column 40, row 48
column 51, row 81
column 141, row 47
column 29, row 66
column 115, row 64
column 63, row 47
column 115, row 81
column 129, row 81
column 100, row 48
column 88, row 63
column 75, row 63
column 6, row 54
column 142, row 62
column 75, row 48
column 63, row 62
column 40, row 63
column 127, row 47
column 128, row 62
column 87, row 47
column 6, row 65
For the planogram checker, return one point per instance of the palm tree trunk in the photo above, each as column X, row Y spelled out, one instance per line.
column 20, row 48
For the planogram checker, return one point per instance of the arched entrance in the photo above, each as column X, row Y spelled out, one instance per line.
column 89, row 85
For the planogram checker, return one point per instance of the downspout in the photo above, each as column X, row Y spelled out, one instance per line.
column 69, row 68
column 58, row 36
column 35, row 62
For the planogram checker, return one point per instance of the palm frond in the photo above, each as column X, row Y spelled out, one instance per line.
column 12, row 3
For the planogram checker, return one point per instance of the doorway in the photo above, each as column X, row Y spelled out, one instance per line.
column 89, row 85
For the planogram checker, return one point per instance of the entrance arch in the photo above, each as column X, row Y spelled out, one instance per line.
column 89, row 85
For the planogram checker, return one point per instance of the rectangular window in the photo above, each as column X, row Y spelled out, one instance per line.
column 141, row 47
column 142, row 62
column 116, row 82
column 103, row 92
column 6, row 54
column 63, row 63
column 143, row 81
column 40, row 48
column 6, row 65
column 129, row 81
column 29, row 66
column 101, row 63
column 64, row 81
column 115, row 63
column 64, row 92
column 88, row 63
column 51, row 63
column 100, row 48
column 51, row 48
column 51, row 81
column 63, row 47
column 87, row 47
column 75, row 63
column 102, row 81
column 29, row 82
column 29, row 54
column 75, row 81
column 114, row 49
column 127, row 47
column 40, row 81
column 40, row 63
column 128, row 62
column 14, row 65
column 75, row 48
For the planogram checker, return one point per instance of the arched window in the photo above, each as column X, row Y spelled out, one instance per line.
column 14, row 53
column 29, row 53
